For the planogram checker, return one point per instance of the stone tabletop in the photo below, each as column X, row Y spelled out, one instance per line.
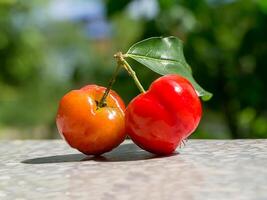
column 203, row 169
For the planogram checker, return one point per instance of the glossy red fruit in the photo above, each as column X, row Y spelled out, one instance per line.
column 167, row 113
column 90, row 129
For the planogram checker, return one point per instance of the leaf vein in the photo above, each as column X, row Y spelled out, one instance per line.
column 155, row 59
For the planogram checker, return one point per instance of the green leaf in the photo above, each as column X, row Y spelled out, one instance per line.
column 164, row 55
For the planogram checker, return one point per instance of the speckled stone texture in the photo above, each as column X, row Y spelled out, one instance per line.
column 204, row 169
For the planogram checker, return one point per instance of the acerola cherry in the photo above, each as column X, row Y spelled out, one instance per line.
column 159, row 119
column 91, row 129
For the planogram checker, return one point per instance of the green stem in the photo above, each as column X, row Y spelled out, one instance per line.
column 102, row 102
column 133, row 75
column 121, row 61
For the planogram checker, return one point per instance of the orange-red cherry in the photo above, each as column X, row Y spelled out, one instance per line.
column 88, row 128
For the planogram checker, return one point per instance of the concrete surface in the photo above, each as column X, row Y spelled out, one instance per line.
column 203, row 169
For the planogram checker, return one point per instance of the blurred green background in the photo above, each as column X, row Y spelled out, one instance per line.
column 52, row 46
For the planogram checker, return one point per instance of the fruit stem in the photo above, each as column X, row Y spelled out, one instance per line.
column 102, row 102
column 121, row 61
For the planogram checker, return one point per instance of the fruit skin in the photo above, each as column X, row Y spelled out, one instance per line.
column 159, row 119
column 90, row 130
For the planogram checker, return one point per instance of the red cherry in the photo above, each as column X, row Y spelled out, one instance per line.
column 167, row 113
